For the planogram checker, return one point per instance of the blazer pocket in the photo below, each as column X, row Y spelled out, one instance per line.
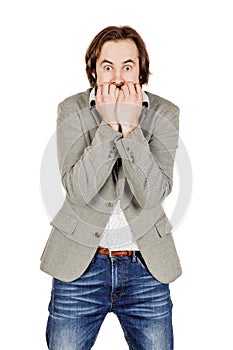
column 163, row 227
column 65, row 222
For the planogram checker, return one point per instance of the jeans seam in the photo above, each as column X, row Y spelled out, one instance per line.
column 123, row 285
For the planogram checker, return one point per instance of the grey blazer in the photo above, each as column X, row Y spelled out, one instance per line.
column 98, row 166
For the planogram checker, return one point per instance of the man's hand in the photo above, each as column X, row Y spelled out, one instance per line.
column 106, row 98
column 120, row 106
column 129, row 107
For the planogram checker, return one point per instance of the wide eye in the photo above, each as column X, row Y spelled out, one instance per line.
column 127, row 68
column 107, row 68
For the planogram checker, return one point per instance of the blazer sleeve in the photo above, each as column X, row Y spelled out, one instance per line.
column 148, row 166
column 84, row 168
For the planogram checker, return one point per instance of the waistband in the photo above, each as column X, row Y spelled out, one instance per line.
column 110, row 253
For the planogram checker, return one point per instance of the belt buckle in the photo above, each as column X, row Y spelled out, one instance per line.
column 110, row 253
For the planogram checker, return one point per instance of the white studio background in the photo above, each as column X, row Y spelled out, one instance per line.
column 43, row 44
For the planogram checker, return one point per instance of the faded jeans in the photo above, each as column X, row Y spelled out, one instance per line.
column 122, row 285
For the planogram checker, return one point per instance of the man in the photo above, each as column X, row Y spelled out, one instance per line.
column 111, row 247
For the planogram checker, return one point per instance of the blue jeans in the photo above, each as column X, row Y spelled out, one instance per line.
column 122, row 285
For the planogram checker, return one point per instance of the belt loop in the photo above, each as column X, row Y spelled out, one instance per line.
column 134, row 258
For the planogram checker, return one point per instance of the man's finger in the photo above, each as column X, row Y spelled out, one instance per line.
column 116, row 93
column 98, row 93
column 125, row 90
column 112, row 89
column 105, row 89
column 131, row 88
column 121, row 96
column 138, row 89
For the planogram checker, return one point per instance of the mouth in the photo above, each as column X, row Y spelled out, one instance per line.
column 119, row 86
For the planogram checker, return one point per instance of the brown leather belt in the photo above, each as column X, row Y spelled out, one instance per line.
column 106, row 251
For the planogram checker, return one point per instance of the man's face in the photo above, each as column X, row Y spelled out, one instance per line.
column 118, row 63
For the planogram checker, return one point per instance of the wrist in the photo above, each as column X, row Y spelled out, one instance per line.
column 127, row 130
column 114, row 126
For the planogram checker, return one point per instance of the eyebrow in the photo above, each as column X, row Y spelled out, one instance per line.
column 124, row 62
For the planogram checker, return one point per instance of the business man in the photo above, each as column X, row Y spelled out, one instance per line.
column 111, row 248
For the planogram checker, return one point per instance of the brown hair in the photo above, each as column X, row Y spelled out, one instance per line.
column 116, row 33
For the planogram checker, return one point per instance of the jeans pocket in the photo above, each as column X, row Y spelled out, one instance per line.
column 142, row 262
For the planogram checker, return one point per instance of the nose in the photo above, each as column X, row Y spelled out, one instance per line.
column 118, row 78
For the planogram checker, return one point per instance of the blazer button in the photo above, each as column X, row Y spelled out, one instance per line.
column 97, row 234
column 109, row 204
